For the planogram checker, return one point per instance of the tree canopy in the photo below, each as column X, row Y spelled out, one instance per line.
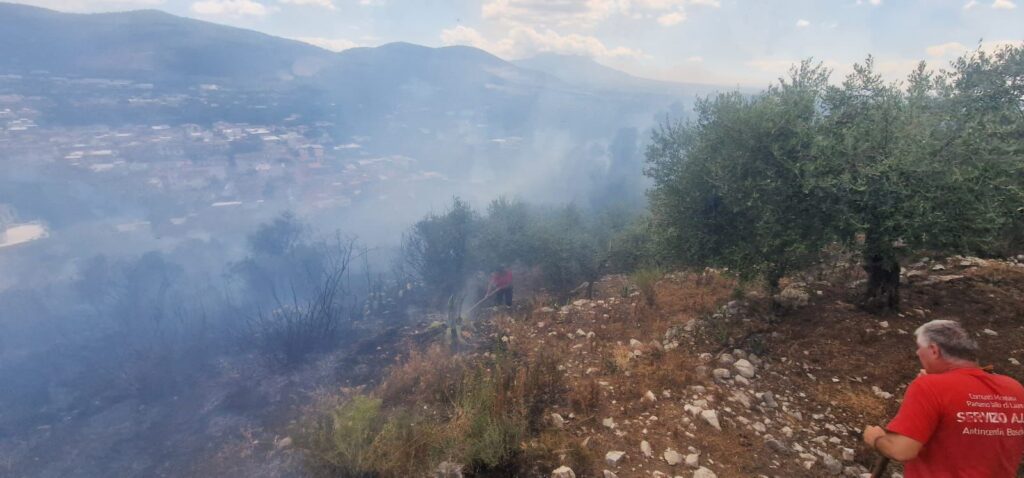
column 760, row 184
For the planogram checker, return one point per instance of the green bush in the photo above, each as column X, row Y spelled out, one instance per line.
column 646, row 278
column 340, row 441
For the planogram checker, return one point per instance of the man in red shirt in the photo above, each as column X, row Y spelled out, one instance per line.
column 956, row 420
column 501, row 286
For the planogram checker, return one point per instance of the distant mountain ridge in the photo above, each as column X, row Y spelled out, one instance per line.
column 143, row 45
column 418, row 93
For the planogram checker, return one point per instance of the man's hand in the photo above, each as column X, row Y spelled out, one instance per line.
column 873, row 433
column 892, row 445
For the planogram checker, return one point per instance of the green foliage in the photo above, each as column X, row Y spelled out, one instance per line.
column 646, row 278
column 632, row 246
column 342, row 439
column 491, row 429
column 481, row 419
column 567, row 244
column 730, row 189
column 761, row 184
column 436, row 250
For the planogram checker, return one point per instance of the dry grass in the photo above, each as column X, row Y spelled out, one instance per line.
column 434, row 406
column 695, row 293
column 585, row 397
column 427, row 376
column 998, row 274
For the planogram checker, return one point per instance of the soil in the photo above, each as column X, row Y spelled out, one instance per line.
column 820, row 361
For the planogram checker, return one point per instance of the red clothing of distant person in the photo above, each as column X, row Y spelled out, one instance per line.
column 501, row 279
column 971, row 424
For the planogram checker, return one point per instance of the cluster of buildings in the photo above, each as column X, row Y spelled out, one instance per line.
column 189, row 169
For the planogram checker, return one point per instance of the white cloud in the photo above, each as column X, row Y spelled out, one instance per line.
column 333, row 44
column 463, row 35
column 695, row 59
column 670, row 19
column 971, row 4
column 328, row 4
column 229, row 7
column 521, row 42
column 801, row 23
column 874, row 3
column 1004, row 4
column 992, row 45
column 585, row 14
column 549, row 12
column 945, row 49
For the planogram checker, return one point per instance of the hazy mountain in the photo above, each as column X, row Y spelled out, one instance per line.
column 398, row 90
column 145, row 45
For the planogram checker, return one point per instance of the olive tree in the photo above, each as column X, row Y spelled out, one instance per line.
column 761, row 183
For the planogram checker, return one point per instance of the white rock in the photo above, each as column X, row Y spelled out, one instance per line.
column 990, row 332
column 557, row 420
column 711, row 417
column 880, row 393
column 608, row 422
column 646, row 449
column 1014, row 361
column 635, row 344
column 672, row 457
column 848, row 454
column 447, row 469
column 704, row 473
column 744, row 368
column 833, row 465
column 693, row 460
column 613, row 457
column 721, row 373
column 793, row 297
column 649, row 397
column 563, row 472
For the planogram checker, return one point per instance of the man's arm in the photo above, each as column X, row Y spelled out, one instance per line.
column 892, row 445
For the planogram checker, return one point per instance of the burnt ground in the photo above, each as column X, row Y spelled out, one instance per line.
column 230, row 419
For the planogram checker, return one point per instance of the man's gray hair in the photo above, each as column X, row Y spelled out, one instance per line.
column 951, row 338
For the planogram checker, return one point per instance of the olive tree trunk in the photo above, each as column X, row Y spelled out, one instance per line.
column 883, row 287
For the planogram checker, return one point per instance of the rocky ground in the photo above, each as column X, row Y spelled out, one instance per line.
column 710, row 382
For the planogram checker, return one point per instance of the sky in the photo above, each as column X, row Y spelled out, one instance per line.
column 731, row 42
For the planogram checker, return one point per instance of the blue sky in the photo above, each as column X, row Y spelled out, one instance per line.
column 708, row 41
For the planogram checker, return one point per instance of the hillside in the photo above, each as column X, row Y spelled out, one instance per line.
column 708, row 383
column 145, row 45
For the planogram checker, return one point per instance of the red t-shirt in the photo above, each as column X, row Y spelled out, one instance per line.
column 501, row 280
column 971, row 423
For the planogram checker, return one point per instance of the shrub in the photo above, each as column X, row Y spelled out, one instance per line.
column 425, row 377
column 646, row 279
column 340, row 440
